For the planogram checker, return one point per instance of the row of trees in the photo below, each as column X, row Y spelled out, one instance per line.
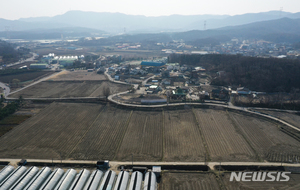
column 277, row 100
column 10, row 108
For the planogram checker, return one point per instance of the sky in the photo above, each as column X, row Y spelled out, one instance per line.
column 15, row 9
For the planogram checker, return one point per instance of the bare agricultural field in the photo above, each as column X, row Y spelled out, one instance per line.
column 291, row 118
column 52, row 133
column 104, row 135
column 223, row 140
column 77, row 75
column 26, row 76
column 188, row 181
column 21, row 115
column 268, row 141
column 292, row 184
column 182, row 138
column 143, row 138
column 91, row 131
column 67, row 89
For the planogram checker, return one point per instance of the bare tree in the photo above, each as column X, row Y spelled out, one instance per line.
column 16, row 82
column 106, row 91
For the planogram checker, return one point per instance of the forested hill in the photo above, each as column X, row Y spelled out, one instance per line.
column 9, row 53
column 258, row 74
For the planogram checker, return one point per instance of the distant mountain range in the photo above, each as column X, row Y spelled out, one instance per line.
column 280, row 30
column 117, row 23
column 273, row 26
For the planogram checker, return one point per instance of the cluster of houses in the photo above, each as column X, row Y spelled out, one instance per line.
column 178, row 78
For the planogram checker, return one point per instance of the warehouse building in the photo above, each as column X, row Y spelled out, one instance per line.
column 39, row 66
column 152, row 64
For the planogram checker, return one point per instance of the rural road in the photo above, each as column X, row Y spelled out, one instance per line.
column 113, row 80
column 6, row 91
column 146, row 80
column 211, row 103
column 116, row 164
column 41, row 80
column 2, row 85
column 26, row 60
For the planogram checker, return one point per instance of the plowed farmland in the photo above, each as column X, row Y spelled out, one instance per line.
column 265, row 137
column 87, row 131
column 52, row 133
column 182, row 138
column 78, row 75
column 188, row 181
column 143, row 138
column 291, row 118
column 223, row 140
column 66, row 89
column 103, row 136
column 26, row 76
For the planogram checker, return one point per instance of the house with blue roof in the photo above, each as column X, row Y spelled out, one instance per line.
column 151, row 64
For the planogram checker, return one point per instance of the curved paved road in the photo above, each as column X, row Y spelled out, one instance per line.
column 26, row 60
column 6, row 91
column 41, row 80
column 230, row 106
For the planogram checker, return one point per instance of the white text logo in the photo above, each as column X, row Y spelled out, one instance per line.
column 259, row 176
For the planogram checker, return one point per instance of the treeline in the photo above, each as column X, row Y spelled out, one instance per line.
column 9, row 54
column 281, row 100
column 10, row 108
column 16, row 71
column 257, row 74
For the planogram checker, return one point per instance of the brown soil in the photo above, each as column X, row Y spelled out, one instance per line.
column 188, row 181
column 66, row 89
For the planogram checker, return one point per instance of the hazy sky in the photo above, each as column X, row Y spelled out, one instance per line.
column 15, row 9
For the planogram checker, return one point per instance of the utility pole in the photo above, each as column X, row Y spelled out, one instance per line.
column 204, row 28
column 132, row 161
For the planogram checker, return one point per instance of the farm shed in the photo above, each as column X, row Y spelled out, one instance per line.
column 66, row 180
column 150, row 181
column 136, row 181
column 243, row 90
column 39, row 66
column 122, row 181
column 151, row 64
column 31, row 179
column 153, row 101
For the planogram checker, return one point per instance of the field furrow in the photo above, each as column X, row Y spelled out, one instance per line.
column 182, row 137
column 53, row 136
column 223, row 141
column 104, row 136
column 265, row 137
column 143, row 138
